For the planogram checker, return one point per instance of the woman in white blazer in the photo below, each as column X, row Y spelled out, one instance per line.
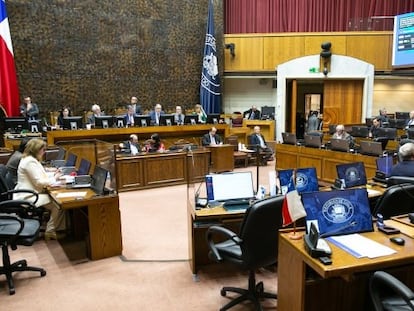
column 31, row 175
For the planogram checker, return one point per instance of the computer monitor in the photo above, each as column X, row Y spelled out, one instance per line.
column 352, row 174
column 402, row 115
column 119, row 121
column 190, row 119
column 71, row 159
column 338, row 211
column 229, row 186
column 289, row 138
column 167, row 119
column 389, row 132
column 397, row 123
column 384, row 165
column 99, row 179
column 15, row 124
column 213, row 118
column 338, row 144
column 368, row 121
column 73, row 123
column 306, row 180
column 373, row 148
column 314, row 141
column 34, row 126
column 84, row 167
column 268, row 112
column 142, row 121
column 360, row 131
column 104, row 121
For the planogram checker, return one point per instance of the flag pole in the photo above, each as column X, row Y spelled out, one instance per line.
column 294, row 235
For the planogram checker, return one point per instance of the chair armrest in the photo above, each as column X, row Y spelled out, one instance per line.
column 21, row 208
column 9, row 194
column 227, row 233
column 4, row 217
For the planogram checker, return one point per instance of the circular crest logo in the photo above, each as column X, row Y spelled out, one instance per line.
column 352, row 174
column 338, row 210
column 301, row 181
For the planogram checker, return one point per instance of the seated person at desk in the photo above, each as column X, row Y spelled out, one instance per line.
column 136, row 108
column 155, row 114
column 384, row 120
column 406, row 165
column 199, row 111
column 129, row 117
column 154, row 144
column 14, row 160
column 410, row 121
column 252, row 114
column 131, row 146
column 342, row 134
column 64, row 113
column 211, row 138
column 179, row 116
column 96, row 112
column 28, row 109
column 31, row 175
column 373, row 131
column 258, row 140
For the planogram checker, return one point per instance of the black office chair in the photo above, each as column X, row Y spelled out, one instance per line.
column 389, row 293
column 254, row 247
column 17, row 228
column 396, row 200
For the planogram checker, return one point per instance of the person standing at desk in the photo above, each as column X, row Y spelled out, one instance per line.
column 179, row 116
column 129, row 117
column 252, row 114
column 155, row 114
column 373, row 131
column 31, row 175
column 28, row 109
column 135, row 106
column 258, row 140
column 211, row 138
column 313, row 122
column 406, row 166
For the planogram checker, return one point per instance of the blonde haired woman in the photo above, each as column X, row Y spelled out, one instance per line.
column 31, row 175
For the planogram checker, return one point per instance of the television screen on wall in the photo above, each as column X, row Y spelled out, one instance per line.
column 403, row 41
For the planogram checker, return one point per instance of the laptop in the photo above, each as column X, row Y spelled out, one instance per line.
column 338, row 211
column 84, row 167
column 352, row 174
column 314, row 141
column 71, row 159
column 97, row 181
column 360, row 131
column 289, row 138
column 235, row 190
column 368, row 147
column 306, row 180
column 338, row 144
column 384, row 168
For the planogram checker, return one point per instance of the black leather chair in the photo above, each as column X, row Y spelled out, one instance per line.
column 254, row 247
column 388, row 293
column 17, row 228
column 396, row 180
column 396, row 200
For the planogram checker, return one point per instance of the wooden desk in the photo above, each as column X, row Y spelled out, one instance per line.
column 222, row 158
column 198, row 223
column 325, row 161
column 161, row 169
column 103, row 217
column 168, row 134
column 340, row 286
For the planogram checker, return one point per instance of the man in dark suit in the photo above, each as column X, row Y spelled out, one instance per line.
column 211, row 138
column 155, row 114
column 257, row 140
column 373, row 131
column 135, row 106
column 406, row 166
column 131, row 146
column 252, row 114
column 129, row 117
column 179, row 116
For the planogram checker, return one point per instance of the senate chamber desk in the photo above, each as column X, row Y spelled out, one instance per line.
column 304, row 283
column 103, row 235
column 325, row 161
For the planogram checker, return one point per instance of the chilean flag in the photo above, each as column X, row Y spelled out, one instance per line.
column 292, row 208
column 9, row 93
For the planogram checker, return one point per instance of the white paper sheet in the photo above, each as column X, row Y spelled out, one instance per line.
column 72, row 194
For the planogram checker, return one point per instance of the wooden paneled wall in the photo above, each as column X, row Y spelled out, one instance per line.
column 263, row 52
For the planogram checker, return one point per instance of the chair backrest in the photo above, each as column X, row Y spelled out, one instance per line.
column 396, row 180
column 396, row 200
column 259, row 232
column 234, row 141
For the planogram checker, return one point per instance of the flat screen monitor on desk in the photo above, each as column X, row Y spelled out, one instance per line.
column 167, row 119
column 34, row 126
column 229, row 186
column 98, row 179
column 388, row 132
column 352, row 174
column 71, row 159
column 142, row 120
column 402, row 115
column 84, row 167
column 384, row 165
column 360, row 131
column 15, row 124
column 73, row 123
column 104, row 122
column 119, row 121
column 213, row 118
column 190, row 119
column 289, row 138
column 314, row 141
column 338, row 144
column 372, row 148
column 338, row 211
column 306, row 180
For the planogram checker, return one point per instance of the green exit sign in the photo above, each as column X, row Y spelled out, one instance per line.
column 314, row 69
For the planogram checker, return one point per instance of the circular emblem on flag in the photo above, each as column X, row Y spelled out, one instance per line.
column 301, row 181
column 338, row 210
column 352, row 174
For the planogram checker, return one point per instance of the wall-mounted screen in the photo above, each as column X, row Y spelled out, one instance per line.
column 403, row 41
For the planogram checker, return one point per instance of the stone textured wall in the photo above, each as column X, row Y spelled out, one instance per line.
column 79, row 53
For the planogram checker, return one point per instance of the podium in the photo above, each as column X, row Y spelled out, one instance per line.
column 222, row 158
